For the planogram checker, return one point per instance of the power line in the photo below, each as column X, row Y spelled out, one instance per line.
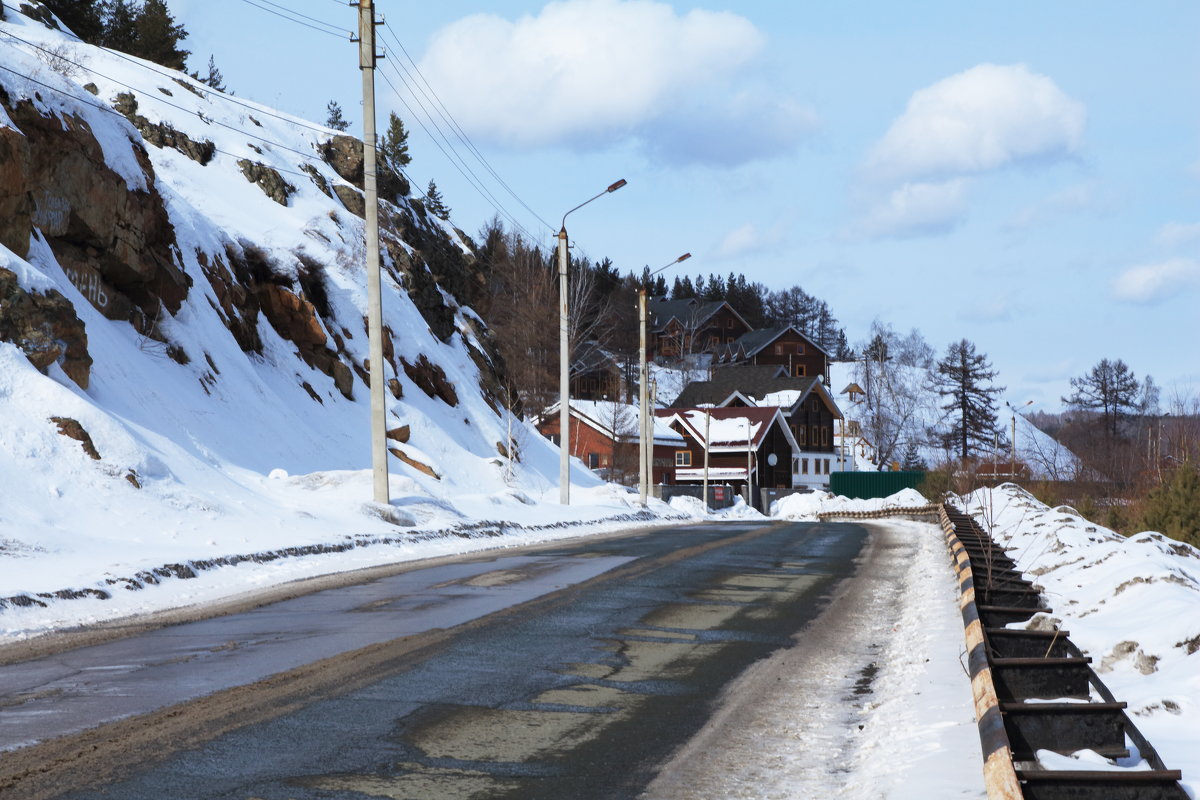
column 208, row 90
column 118, row 114
column 444, row 112
column 466, row 173
column 335, row 32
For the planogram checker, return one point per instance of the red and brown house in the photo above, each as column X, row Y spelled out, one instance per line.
column 744, row 445
column 604, row 436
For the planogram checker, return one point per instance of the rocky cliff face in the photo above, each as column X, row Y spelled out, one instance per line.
column 166, row 241
column 117, row 244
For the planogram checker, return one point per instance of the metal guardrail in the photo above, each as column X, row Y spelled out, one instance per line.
column 1017, row 676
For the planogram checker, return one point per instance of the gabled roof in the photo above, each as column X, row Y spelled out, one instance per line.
column 728, row 428
column 763, row 386
column 590, row 356
column 751, row 381
column 603, row 415
column 752, row 342
column 690, row 313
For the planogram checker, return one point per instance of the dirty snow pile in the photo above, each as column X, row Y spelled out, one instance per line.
column 808, row 506
column 1131, row 603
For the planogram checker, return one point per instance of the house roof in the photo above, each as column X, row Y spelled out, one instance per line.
column 758, row 386
column 618, row 421
column 590, row 356
column 728, row 428
column 752, row 342
column 750, row 380
column 690, row 312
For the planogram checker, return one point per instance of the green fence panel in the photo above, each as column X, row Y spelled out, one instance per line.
column 865, row 485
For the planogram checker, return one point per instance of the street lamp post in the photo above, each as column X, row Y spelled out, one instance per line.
column 645, row 421
column 1013, row 444
column 564, row 356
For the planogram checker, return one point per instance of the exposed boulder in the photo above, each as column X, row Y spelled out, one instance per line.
column 45, row 328
column 160, row 134
column 267, row 179
column 73, row 430
column 431, row 378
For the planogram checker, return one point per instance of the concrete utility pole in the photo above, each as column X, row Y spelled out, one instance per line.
column 564, row 355
column 645, row 413
column 366, row 63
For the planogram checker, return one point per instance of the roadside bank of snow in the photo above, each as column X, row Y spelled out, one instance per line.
column 1131, row 603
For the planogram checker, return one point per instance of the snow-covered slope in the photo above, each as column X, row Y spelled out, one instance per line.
column 215, row 283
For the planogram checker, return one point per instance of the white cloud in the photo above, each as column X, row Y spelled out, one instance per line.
column 747, row 239
column 593, row 73
column 982, row 119
column 1174, row 234
column 1152, row 283
column 1080, row 197
column 915, row 209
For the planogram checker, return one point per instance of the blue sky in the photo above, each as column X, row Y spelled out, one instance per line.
column 1022, row 174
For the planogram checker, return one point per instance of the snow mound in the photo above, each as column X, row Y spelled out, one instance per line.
column 808, row 506
column 1131, row 603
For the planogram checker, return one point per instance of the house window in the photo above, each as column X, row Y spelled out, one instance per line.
column 778, row 349
column 799, row 370
column 800, row 348
column 799, row 430
column 683, row 458
column 729, row 340
column 816, row 436
column 804, row 466
column 824, row 436
column 713, row 341
column 729, row 322
column 827, row 463
column 593, row 460
column 795, row 465
column 816, row 406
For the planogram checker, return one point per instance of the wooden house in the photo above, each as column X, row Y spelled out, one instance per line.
column 681, row 328
column 605, row 437
column 808, row 410
column 745, row 446
column 786, row 347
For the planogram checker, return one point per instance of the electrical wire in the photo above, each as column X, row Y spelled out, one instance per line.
column 466, row 173
column 465, row 170
column 339, row 32
column 444, row 112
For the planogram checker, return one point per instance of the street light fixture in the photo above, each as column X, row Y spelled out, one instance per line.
column 564, row 356
column 645, row 423
column 1013, row 444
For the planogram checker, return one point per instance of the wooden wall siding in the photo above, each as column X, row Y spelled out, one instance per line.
column 808, row 419
column 812, row 360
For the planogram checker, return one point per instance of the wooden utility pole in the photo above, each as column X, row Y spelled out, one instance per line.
column 366, row 63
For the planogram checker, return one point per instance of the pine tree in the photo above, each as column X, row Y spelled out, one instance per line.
column 912, row 461
column 158, row 36
column 1110, row 388
column 434, row 203
column 120, row 25
column 85, row 18
column 334, row 118
column 214, row 78
column 964, row 376
column 394, row 145
column 1174, row 507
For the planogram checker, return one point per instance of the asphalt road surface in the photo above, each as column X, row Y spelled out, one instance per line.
column 573, row 670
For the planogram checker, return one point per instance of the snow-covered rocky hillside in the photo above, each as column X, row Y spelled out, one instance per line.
column 183, row 347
